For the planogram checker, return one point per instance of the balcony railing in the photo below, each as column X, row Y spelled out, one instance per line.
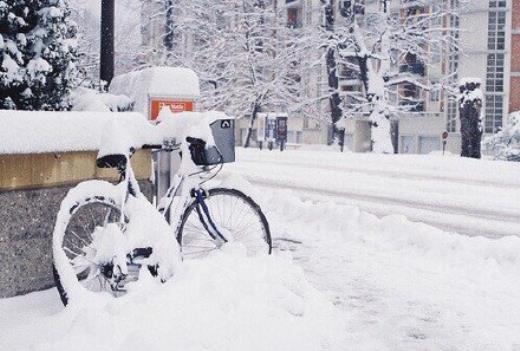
column 413, row 106
column 348, row 74
column 414, row 68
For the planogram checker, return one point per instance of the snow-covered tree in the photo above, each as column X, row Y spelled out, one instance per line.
column 389, row 49
column 470, row 112
column 37, row 55
column 505, row 144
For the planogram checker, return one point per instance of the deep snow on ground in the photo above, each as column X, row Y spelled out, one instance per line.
column 224, row 302
column 355, row 282
column 404, row 285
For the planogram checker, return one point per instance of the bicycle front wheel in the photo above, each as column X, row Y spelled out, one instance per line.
column 235, row 215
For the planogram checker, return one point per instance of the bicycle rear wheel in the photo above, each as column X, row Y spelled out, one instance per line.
column 235, row 215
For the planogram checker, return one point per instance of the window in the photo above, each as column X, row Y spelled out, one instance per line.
column 453, row 67
column 494, row 107
column 294, row 17
column 494, row 112
column 308, row 12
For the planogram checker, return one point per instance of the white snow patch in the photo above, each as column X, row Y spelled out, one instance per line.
column 38, row 132
column 224, row 302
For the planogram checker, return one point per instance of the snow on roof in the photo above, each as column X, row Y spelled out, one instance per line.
column 156, row 81
column 467, row 80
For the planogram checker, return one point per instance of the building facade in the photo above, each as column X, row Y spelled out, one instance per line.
column 490, row 52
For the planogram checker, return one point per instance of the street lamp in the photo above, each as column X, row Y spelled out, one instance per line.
column 106, row 69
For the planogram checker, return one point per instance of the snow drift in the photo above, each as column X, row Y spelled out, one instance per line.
column 224, row 302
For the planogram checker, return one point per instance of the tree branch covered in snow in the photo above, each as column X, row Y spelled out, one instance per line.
column 37, row 55
column 505, row 144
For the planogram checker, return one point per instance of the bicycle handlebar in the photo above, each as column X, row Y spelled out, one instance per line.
column 151, row 146
column 189, row 140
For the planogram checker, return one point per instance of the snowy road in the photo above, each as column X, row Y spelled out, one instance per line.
column 466, row 196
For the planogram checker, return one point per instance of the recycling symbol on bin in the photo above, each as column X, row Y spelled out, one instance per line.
column 225, row 124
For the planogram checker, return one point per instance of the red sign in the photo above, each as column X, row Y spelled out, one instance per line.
column 175, row 105
column 445, row 135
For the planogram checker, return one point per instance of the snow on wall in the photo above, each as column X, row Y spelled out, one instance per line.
column 24, row 132
column 156, row 81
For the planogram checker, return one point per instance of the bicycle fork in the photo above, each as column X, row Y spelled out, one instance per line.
column 206, row 220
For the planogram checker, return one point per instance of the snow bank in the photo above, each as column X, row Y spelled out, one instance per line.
column 224, row 302
column 402, row 285
column 156, row 81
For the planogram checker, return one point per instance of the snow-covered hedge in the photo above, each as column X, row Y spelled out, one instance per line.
column 506, row 143
column 25, row 132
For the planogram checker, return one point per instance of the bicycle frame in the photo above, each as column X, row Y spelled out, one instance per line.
column 183, row 189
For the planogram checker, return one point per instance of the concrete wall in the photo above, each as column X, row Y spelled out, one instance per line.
column 31, row 190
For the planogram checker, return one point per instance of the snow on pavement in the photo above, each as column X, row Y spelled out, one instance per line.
column 404, row 285
column 225, row 302
column 355, row 282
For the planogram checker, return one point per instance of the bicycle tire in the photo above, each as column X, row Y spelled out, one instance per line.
column 229, row 199
column 77, row 199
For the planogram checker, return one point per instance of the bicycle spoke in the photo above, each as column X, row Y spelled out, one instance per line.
column 231, row 213
column 81, row 239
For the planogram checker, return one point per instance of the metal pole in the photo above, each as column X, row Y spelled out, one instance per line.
column 106, row 69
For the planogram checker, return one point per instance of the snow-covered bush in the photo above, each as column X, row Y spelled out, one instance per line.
column 505, row 144
column 37, row 54
column 84, row 99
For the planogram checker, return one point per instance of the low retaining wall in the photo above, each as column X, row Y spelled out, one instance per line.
column 31, row 189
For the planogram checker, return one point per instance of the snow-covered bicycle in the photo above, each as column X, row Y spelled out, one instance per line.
column 107, row 234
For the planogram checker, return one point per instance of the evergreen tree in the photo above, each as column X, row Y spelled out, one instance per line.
column 37, row 54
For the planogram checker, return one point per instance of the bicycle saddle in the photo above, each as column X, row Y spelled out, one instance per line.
column 112, row 161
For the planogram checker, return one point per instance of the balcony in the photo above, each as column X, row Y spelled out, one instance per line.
column 348, row 8
column 413, row 68
column 348, row 74
column 413, row 106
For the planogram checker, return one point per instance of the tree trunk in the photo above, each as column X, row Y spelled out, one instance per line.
column 254, row 113
column 336, row 112
column 470, row 106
